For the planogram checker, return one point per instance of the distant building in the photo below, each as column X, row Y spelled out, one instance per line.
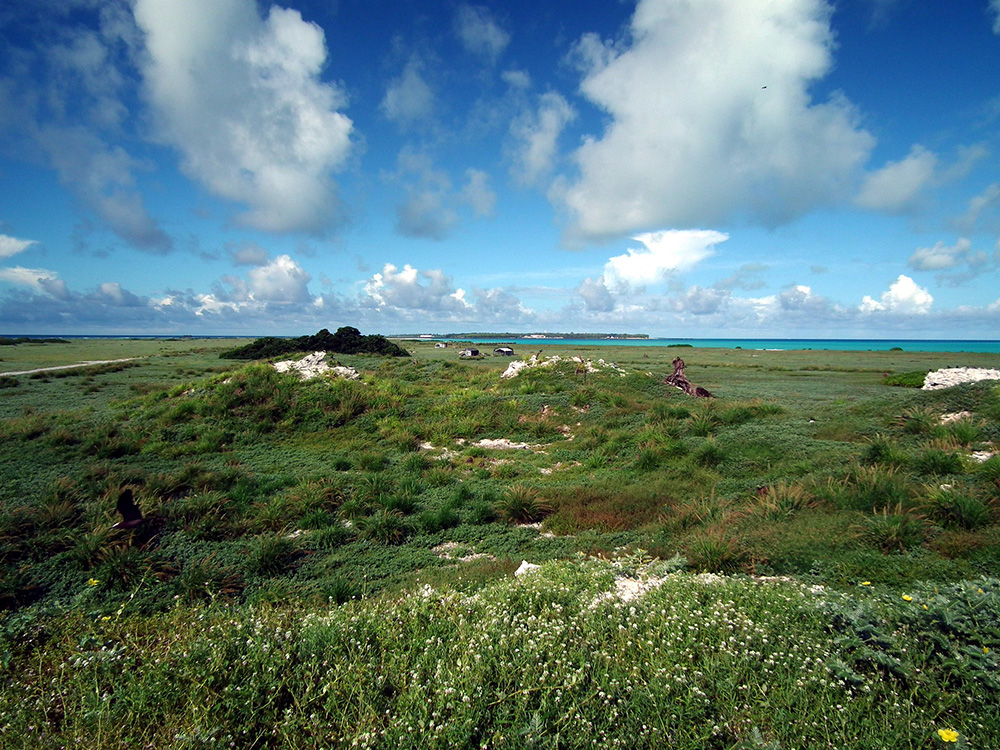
column 504, row 351
column 469, row 353
column 441, row 345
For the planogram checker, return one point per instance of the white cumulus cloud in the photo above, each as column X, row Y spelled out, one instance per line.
column 903, row 296
column 941, row 257
column 38, row 279
column 896, row 186
column 711, row 117
column 281, row 280
column 478, row 193
column 596, row 295
column 665, row 252
column 241, row 99
column 479, row 33
column 535, row 137
column 10, row 246
column 408, row 97
column 402, row 289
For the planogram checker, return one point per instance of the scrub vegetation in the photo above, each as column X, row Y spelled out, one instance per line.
column 809, row 559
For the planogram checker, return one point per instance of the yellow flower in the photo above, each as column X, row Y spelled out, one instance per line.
column 948, row 735
column 866, row 583
column 907, row 598
column 93, row 582
column 980, row 591
column 924, row 606
column 105, row 618
column 986, row 649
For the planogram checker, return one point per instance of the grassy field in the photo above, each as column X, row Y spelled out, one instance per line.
column 330, row 563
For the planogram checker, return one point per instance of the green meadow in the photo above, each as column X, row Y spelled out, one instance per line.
column 809, row 559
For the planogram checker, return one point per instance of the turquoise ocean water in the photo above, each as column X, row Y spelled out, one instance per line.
column 847, row 345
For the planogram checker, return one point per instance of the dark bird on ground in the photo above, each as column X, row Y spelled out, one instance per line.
column 131, row 515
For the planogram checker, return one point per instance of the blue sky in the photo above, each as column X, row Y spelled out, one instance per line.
column 691, row 168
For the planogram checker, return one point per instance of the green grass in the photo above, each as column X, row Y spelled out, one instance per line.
column 307, row 516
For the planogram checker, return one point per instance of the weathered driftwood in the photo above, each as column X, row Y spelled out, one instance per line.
column 679, row 380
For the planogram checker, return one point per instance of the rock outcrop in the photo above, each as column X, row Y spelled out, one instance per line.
column 582, row 365
column 315, row 365
column 955, row 375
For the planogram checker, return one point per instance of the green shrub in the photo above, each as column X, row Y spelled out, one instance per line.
column 990, row 470
column 347, row 340
column 372, row 461
column 353, row 508
column 317, row 519
column 375, row 486
column 906, row 379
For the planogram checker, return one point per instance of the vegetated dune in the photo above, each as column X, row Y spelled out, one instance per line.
column 809, row 558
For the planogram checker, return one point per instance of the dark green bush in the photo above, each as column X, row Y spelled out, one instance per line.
column 906, row 379
column 347, row 340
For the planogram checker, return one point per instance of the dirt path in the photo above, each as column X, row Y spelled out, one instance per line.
column 69, row 367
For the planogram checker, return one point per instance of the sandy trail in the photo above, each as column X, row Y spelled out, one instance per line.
column 69, row 367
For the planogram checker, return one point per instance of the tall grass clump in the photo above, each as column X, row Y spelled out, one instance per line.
column 271, row 554
column 957, row 507
column 521, row 503
column 893, row 529
column 782, row 500
column 882, row 449
column 919, row 421
column 385, row 526
column 965, row 431
column 709, row 453
column 866, row 488
column 938, row 462
column 716, row 551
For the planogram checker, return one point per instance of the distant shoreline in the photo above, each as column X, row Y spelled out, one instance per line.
column 978, row 346
column 853, row 345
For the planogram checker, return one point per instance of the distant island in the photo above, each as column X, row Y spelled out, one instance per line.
column 545, row 335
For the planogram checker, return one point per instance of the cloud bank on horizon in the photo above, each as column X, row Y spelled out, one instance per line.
column 706, row 168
